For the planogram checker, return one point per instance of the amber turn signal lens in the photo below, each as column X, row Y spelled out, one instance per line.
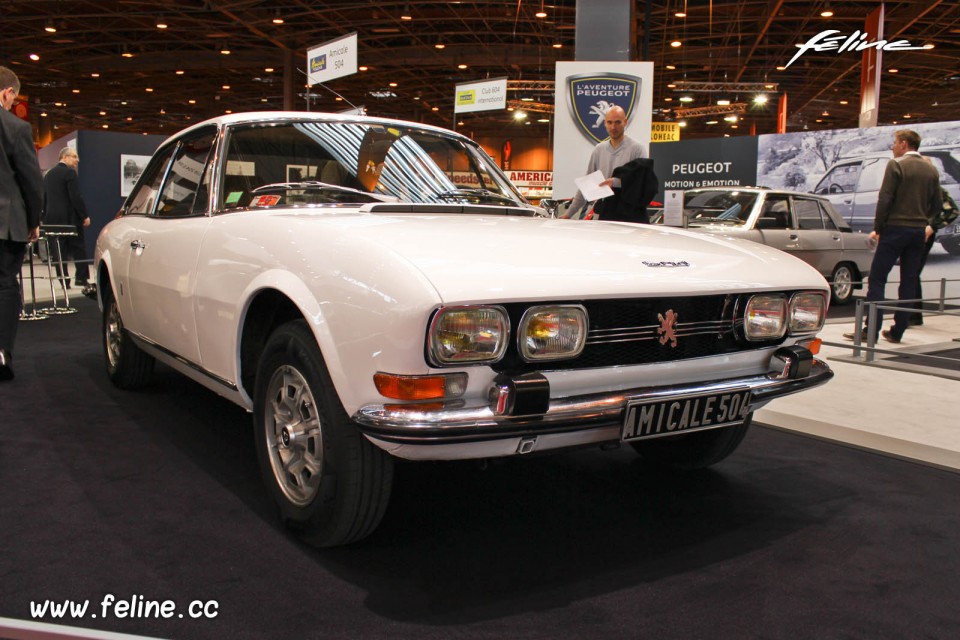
column 420, row 387
column 813, row 346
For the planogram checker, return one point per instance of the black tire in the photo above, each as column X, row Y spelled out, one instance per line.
column 330, row 484
column 952, row 249
column 693, row 450
column 842, row 283
column 128, row 366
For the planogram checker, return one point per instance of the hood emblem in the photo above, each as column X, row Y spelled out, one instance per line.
column 666, row 263
column 667, row 330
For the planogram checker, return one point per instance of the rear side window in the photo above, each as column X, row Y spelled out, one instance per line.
column 185, row 191
column 144, row 196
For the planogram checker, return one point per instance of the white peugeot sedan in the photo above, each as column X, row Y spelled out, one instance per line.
column 372, row 289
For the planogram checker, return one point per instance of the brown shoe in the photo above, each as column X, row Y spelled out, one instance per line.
column 889, row 337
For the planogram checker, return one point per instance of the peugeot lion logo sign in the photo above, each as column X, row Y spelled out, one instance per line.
column 592, row 94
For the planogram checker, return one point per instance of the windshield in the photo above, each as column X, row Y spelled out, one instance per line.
column 718, row 207
column 332, row 163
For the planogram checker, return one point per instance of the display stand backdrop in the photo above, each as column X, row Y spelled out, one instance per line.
column 101, row 170
column 584, row 91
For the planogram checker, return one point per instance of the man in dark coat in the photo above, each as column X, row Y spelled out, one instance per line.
column 21, row 197
column 63, row 205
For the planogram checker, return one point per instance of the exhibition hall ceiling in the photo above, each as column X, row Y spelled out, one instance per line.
column 157, row 66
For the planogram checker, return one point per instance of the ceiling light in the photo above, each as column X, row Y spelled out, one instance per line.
column 268, row 70
column 277, row 19
column 680, row 14
column 907, row 116
column 43, row 114
column 541, row 14
column 668, row 99
column 149, row 89
column 94, row 75
column 730, row 118
column 526, row 99
column 543, row 120
column 461, row 66
column 676, row 43
column 557, row 45
column 894, row 70
column 760, row 99
column 686, row 99
column 723, row 103
column 225, row 87
column 671, row 67
column 103, row 113
column 162, row 24
column 191, row 101
column 106, row 126
column 780, row 68
column 671, row 86
column 519, row 115
column 126, row 52
column 225, row 50
column 440, row 45
column 393, row 84
column 360, row 68
column 50, row 27
column 682, row 123
column 825, row 114
column 844, row 102
column 34, row 57
column 434, row 108
column 406, row 15
column 827, row 12
column 76, row 90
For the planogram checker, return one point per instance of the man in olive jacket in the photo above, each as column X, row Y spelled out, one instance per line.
column 21, row 197
column 908, row 202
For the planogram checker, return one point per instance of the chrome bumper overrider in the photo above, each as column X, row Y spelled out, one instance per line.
column 398, row 426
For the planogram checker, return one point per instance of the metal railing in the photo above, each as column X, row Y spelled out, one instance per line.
column 868, row 310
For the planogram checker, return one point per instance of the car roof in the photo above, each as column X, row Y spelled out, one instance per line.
column 756, row 190
column 254, row 117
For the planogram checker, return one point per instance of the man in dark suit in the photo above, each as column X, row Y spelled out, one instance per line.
column 21, row 198
column 63, row 205
column 909, row 200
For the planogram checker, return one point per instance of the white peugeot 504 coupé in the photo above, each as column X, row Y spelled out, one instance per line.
column 372, row 289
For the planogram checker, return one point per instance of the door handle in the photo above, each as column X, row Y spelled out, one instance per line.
column 136, row 244
column 794, row 236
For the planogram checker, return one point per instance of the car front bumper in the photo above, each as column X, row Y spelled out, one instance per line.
column 454, row 431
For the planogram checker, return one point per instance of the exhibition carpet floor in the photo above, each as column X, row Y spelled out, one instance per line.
column 155, row 495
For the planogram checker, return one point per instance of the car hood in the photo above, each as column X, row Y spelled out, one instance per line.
column 478, row 258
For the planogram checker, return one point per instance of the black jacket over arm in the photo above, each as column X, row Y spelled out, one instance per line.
column 638, row 185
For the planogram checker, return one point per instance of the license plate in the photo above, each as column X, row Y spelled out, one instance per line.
column 652, row 419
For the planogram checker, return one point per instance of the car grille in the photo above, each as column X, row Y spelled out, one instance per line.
column 627, row 332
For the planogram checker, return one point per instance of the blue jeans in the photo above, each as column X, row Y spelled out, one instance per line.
column 905, row 244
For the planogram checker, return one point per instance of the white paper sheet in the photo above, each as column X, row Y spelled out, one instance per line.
column 589, row 186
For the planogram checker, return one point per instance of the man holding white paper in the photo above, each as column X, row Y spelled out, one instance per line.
column 615, row 151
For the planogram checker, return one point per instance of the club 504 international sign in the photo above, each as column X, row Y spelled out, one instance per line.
column 481, row 96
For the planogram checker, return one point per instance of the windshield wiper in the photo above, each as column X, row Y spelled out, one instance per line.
column 466, row 193
column 307, row 184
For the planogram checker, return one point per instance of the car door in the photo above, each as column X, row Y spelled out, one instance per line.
column 821, row 244
column 868, row 192
column 775, row 223
column 839, row 186
column 161, row 274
